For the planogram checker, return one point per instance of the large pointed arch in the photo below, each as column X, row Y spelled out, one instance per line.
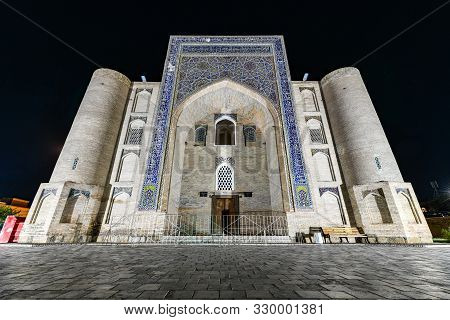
column 268, row 119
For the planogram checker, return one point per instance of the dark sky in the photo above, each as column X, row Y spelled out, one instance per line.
column 42, row 81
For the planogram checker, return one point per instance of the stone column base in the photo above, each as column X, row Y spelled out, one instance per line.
column 390, row 211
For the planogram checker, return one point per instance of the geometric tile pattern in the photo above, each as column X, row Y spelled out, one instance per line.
column 75, row 193
column 229, row 160
column 333, row 190
column 197, row 72
column 117, row 190
column 213, row 50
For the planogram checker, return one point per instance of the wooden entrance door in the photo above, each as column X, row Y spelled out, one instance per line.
column 225, row 215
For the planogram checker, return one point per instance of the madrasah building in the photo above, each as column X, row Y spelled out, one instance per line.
column 226, row 147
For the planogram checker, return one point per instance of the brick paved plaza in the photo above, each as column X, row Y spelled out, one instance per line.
column 225, row 272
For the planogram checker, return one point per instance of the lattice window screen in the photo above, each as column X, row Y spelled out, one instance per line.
column 135, row 136
column 250, row 134
column 75, row 163
column 225, row 179
column 200, row 135
column 317, row 136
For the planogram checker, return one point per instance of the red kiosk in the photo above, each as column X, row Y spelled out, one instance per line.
column 11, row 229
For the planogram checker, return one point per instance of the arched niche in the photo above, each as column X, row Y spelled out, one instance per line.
column 323, row 166
column 43, row 209
column 127, row 167
column 74, row 208
column 142, row 101
column 408, row 210
column 118, row 209
column 377, row 208
column 308, row 100
column 332, row 207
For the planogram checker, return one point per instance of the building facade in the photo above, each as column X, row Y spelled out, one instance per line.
column 225, row 145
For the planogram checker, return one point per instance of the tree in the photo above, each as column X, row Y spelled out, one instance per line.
column 7, row 211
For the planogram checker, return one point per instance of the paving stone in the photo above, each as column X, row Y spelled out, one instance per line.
column 237, row 272
column 231, row 294
column 391, row 295
column 255, row 294
column 124, row 295
column 311, row 295
column 184, row 294
column 196, row 286
column 284, row 294
column 100, row 294
column 72, row 295
column 157, row 295
column 149, row 287
column 206, row 295
column 338, row 295
column 365, row 295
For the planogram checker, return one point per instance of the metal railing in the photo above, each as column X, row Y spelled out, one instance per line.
column 196, row 228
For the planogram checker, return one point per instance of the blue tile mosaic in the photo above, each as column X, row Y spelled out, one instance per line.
column 76, row 193
column 261, row 47
column 197, row 72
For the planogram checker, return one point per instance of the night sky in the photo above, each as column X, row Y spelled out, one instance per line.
column 42, row 81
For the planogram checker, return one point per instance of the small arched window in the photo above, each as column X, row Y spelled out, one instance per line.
column 200, row 135
column 225, row 132
column 249, row 134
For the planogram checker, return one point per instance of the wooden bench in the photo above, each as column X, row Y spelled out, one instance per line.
column 345, row 233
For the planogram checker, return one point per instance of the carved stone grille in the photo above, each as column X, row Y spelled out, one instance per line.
column 378, row 163
column 225, row 178
column 317, row 136
column 135, row 136
column 75, row 163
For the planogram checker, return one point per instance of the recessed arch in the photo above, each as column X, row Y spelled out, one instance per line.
column 142, row 101
column 220, row 96
column 44, row 206
column 127, row 168
column 377, row 208
column 309, row 101
column 74, row 208
column 408, row 209
column 332, row 207
column 118, row 208
column 323, row 166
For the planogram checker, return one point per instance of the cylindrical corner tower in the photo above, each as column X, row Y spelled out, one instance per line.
column 362, row 146
column 88, row 150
